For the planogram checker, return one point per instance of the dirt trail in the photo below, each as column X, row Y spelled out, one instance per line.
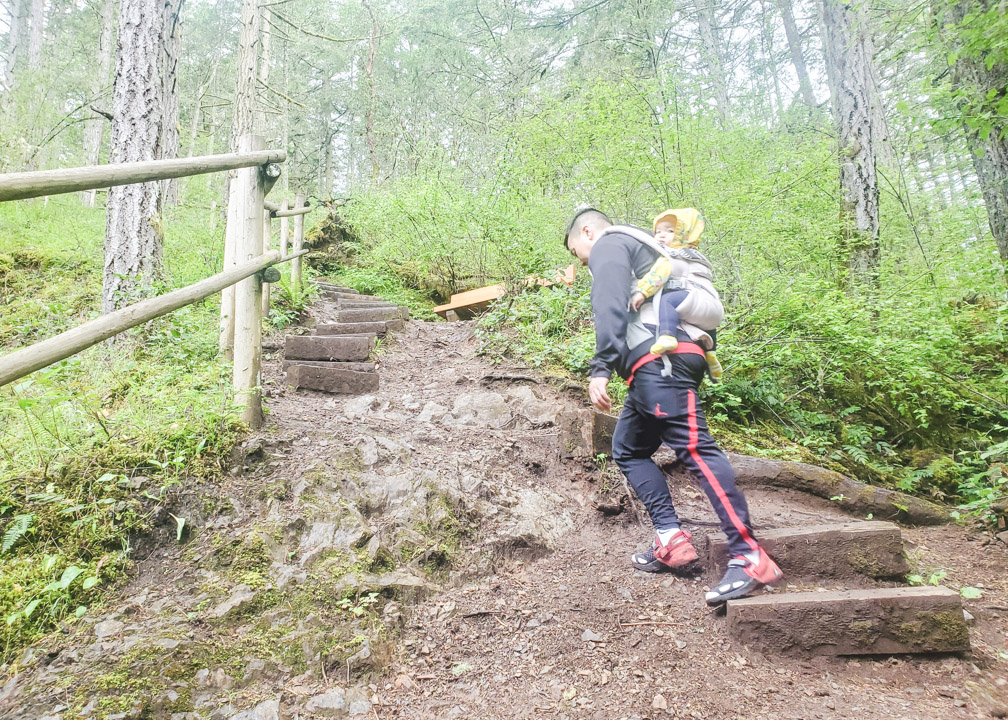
column 426, row 552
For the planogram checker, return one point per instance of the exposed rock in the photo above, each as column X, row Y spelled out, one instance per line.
column 537, row 521
column 475, row 409
column 241, row 596
column 266, row 710
column 107, row 628
column 431, row 411
column 1003, row 536
column 325, row 535
column 329, row 704
column 590, row 635
column 524, row 402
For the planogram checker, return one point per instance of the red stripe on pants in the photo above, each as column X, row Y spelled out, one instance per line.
column 711, row 477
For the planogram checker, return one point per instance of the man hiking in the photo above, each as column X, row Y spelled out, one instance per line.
column 661, row 406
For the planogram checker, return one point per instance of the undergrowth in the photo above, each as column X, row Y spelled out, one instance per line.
column 94, row 447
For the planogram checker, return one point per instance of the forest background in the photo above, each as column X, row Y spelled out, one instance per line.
column 850, row 161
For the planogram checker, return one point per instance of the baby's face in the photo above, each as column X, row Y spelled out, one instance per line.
column 664, row 231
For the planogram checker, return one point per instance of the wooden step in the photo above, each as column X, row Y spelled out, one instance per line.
column 372, row 314
column 355, row 298
column 335, row 365
column 328, row 347
column 841, row 550
column 318, row 376
column 851, row 622
column 329, row 287
column 356, row 305
column 378, row 328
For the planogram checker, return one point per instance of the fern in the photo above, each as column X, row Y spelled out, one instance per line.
column 15, row 531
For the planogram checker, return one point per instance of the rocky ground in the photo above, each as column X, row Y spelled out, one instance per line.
column 430, row 552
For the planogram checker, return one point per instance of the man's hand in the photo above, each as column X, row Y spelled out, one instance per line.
column 636, row 300
column 598, row 395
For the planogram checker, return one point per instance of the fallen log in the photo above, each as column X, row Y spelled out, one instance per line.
column 850, row 495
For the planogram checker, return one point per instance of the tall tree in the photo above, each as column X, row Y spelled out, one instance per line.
column 797, row 55
column 171, row 45
column 133, row 236
column 714, row 56
column 848, row 68
column 36, row 24
column 13, row 48
column 973, row 32
column 95, row 129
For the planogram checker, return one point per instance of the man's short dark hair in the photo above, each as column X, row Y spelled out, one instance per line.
column 585, row 214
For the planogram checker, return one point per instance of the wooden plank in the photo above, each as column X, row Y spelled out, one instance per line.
column 842, row 550
column 328, row 347
column 34, row 357
column 346, row 382
column 18, row 186
column 378, row 328
column 851, row 622
column 334, row 365
column 370, row 315
column 292, row 213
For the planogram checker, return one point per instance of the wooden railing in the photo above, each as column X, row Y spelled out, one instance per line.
column 247, row 258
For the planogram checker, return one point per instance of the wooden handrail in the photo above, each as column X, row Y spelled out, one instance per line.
column 293, row 213
column 42, row 354
column 19, row 186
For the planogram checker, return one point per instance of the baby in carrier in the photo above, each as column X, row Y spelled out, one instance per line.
column 684, row 277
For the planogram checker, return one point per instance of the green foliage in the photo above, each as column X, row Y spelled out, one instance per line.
column 91, row 446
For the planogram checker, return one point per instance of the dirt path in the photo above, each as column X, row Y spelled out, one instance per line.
column 426, row 552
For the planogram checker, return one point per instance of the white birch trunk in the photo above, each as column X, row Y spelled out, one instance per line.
column 133, row 237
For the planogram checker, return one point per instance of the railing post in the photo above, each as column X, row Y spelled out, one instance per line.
column 248, row 194
column 267, row 241
column 298, row 241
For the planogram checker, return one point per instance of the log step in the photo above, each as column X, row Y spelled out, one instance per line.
column 841, row 550
column 328, row 347
column 354, row 297
column 355, row 305
column 851, row 622
column 316, row 376
column 372, row 314
column 335, row 365
column 329, row 287
column 378, row 328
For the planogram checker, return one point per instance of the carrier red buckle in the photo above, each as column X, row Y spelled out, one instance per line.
column 684, row 348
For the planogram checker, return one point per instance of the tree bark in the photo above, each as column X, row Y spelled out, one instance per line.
column 369, row 133
column 985, row 128
column 712, row 52
column 171, row 47
column 36, row 25
column 264, row 71
column 242, row 119
column 96, row 127
column 797, row 56
column 133, row 237
column 848, row 65
column 12, row 51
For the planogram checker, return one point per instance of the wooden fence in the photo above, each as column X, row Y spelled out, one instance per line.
column 243, row 283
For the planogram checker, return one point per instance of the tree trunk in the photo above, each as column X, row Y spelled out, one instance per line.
column 264, row 70
column 13, row 48
column 242, row 119
column 797, row 56
column 96, row 127
column 848, row 65
column 768, row 39
column 707, row 22
column 36, row 24
column 369, row 134
column 133, row 237
column 984, row 125
column 171, row 47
